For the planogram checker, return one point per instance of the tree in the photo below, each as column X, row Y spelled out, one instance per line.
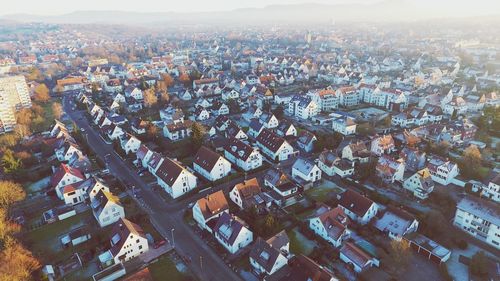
column 57, row 110
column 184, row 78
column 471, row 161
column 169, row 81
column 10, row 192
column 197, row 135
column 400, row 253
column 24, row 117
column 10, row 163
column 164, row 97
column 16, row 263
column 41, row 93
column 365, row 129
column 479, row 264
column 152, row 131
column 150, row 98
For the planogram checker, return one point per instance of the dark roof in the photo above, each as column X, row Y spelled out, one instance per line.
column 302, row 268
column 270, row 140
column 228, row 228
column 122, row 229
column 169, row 171
column 264, row 254
column 206, row 158
column 355, row 202
column 239, row 149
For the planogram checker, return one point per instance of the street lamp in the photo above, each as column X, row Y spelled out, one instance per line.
column 173, row 241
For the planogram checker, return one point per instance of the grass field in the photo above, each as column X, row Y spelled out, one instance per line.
column 164, row 269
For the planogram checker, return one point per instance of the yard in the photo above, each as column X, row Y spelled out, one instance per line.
column 299, row 244
column 45, row 241
column 165, row 268
column 324, row 192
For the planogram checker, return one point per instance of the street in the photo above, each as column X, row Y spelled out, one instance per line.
column 168, row 218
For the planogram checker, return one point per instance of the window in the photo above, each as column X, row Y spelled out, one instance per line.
column 137, row 241
column 140, row 247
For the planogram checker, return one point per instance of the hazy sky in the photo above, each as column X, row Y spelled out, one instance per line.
column 54, row 7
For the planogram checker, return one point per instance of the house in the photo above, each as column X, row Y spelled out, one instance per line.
column 480, row 219
column 306, row 171
column 172, row 115
column 143, row 155
column 232, row 233
column 252, row 112
column 382, row 145
column 242, row 155
column 58, row 127
column 390, row 169
column 128, row 240
column 414, row 158
column 348, row 96
column 330, row 164
column 210, row 164
column 273, row 146
column 396, row 223
column 66, row 150
column 138, row 126
column 286, row 128
column 283, row 190
column 174, row 178
column 358, row 207
column 248, row 194
column 330, row 224
column 208, row 209
column 113, row 131
column 219, row 108
column 268, row 256
column 356, row 151
column 442, row 170
column 302, row 107
column 178, row 131
column 306, row 141
column 129, row 143
column 360, row 259
column 96, row 184
column 420, row 183
column 234, row 131
column 344, row 125
column 80, row 162
column 255, row 127
column 269, row 120
column 134, row 92
column 302, row 268
column 106, row 208
column 492, row 190
column 327, row 100
column 201, row 113
column 63, row 176
column 76, row 236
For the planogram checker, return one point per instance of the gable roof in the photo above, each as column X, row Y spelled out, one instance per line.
column 169, row 171
column 239, row 149
column 122, row 229
column 62, row 171
column 228, row 228
column 270, row 140
column 355, row 202
column 206, row 158
column 213, row 204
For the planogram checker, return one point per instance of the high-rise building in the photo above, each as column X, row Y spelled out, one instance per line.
column 14, row 95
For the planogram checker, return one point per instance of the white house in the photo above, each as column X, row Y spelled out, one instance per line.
column 358, row 207
column 273, row 146
column 479, row 218
column 208, row 209
column 306, row 170
column 360, row 259
column 344, row 125
column 396, row 223
column 383, row 145
column 129, row 143
column 390, row 169
column 242, row 155
column 286, row 128
column 330, row 164
column 303, row 107
column 134, row 92
column 248, row 194
column 210, row 164
column 268, row 256
column 174, row 178
column 306, row 141
column 143, row 155
column 178, row 131
column 106, row 208
column 442, row 171
column 232, row 233
column 65, row 175
column 128, row 240
column 420, row 184
column 330, row 224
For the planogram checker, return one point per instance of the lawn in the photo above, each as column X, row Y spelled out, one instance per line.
column 324, row 192
column 165, row 269
column 299, row 244
column 45, row 241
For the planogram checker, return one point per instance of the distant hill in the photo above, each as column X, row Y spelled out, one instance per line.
column 310, row 13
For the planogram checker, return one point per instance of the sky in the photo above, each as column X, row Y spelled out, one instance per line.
column 57, row 7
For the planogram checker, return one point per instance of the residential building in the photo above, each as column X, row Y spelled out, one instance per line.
column 174, row 178
column 359, row 208
column 382, row 145
column 420, row 184
column 306, row 141
column 248, row 194
column 443, row 171
column 273, row 146
column 396, row 223
column 330, row 164
column 282, row 189
column 306, row 171
column 479, row 218
column 210, row 164
column 302, row 107
column 208, row 209
column 390, row 169
column 358, row 258
column 14, row 95
column 330, row 224
column 64, row 176
column 232, row 233
column 268, row 256
column 106, row 208
column 242, row 155
column 178, row 131
column 128, row 240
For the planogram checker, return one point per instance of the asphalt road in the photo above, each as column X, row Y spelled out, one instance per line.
column 167, row 217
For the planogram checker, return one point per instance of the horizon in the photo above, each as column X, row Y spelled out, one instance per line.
column 443, row 8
